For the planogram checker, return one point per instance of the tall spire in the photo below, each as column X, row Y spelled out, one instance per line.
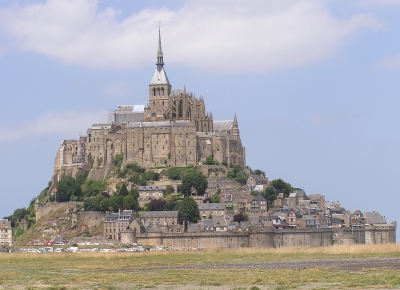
column 160, row 58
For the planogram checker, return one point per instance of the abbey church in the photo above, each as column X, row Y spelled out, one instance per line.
column 172, row 129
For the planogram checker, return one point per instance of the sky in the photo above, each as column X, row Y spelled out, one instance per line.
column 315, row 85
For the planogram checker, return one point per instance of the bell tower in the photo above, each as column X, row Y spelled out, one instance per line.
column 159, row 88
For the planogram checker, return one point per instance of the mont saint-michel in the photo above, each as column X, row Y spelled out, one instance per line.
column 167, row 174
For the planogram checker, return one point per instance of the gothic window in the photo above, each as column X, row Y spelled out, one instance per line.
column 154, row 92
column 162, row 92
column 158, row 91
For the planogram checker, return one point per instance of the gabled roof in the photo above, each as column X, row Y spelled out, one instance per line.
column 154, row 229
column 259, row 197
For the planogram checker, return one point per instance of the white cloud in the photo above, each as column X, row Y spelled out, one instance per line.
column 211, row 35
column 56, row 123
column 391, row 62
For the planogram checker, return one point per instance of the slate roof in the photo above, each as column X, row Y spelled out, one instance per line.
column 374, row 218
column 150, row 188
column 159, row 78
column 211, row 206
column 154, row 229
column 225, row 125
column 159, row 213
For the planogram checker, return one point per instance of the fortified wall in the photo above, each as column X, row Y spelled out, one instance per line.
column 254, row 239
column 260, row 237
column 44, row 209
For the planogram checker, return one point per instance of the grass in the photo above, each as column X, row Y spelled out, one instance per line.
column 146, row 270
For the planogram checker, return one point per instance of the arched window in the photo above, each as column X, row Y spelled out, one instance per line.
column 154, row 92
column 162, row 92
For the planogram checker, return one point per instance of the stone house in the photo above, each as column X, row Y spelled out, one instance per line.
column 115, row 223
column 215, row 224
column 148, row 193
column 207, row 210
column 312, row 221
column 255, row 180
column 5, row 232
column 258, row 205
column 166, row 221
column 295, row 196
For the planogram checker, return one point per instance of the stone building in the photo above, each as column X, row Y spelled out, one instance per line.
column 148, row 193
column 172, row 129
column 5, row 233
column 115, row 223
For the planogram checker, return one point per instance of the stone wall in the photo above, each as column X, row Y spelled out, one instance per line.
column 265, row 238
column 92, row 218
column 44, row 209
column 196, row 240
column 383, row 234
column 303, row 238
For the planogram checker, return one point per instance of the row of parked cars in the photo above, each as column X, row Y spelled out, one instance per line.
column 73, row 249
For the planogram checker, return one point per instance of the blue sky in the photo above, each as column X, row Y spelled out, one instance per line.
column 315, row 84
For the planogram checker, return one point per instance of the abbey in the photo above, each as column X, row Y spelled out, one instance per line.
column 172, row 129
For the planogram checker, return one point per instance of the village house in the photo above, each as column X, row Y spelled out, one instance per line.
column 255, row 180
column 5, row 233
column 115, row 223
column 166, row 221
column 258, row 205
column 148, row 193
column 208, row 210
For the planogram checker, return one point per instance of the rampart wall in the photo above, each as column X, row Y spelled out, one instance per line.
column 92, row 218
column 196, row 240
column 378, row 235
column 43, row 209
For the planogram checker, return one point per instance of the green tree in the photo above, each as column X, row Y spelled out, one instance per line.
column 89, row 204
column 259, row 172
column 66, row 187
column 193, row 178
column 116, row 202
column 270, row 194
column 238, row 174
column 118, row 159
column 188, row 210
column 282, row 186
column 215, row 198
column 124, row 190
column 129, row 202
column 174, row 173
column 135, row 193
column 93, row 187
column 210, row 160
column 104, row 205
column 169, row 189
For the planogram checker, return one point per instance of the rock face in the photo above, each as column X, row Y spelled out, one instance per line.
column 63, row 219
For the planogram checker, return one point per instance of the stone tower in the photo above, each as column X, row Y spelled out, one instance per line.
column 159, row 87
